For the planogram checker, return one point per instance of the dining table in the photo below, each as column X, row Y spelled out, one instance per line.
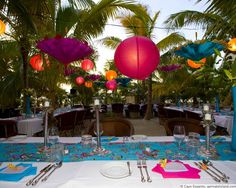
column 82, row 168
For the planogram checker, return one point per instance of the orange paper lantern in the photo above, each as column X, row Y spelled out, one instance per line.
column 232, row 45
column 79, row 80
column 88, row 84
column 37, row 62
column 194, row 65
column 87, row 64
column 2, row 27
column 111, row 75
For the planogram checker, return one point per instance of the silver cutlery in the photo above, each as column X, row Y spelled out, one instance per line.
column 40, row 177
column 144, row 164
column 40, row 172
column 139, row 165
column 57, row 165
column 128, row 164
column 213, row 177
column 209, row 163
column 213, row 172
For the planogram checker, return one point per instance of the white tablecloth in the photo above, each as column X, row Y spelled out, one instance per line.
column 30, row 126
column 87, row 173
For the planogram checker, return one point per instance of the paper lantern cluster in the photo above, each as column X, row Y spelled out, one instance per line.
column 88, row 84
column 194, row 65
column 111, row 75
column 137, row 57
column 232, row 45
column 111, row 83
column 36, row 62
column 2, row 27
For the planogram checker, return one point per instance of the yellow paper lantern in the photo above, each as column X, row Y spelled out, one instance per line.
column 232, row 45
column 2, row 27
column 111, row 75
column 88, row 84
column 194, row 65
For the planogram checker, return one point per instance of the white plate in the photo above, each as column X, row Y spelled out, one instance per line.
column 138, row 137
column 115, row 170
column 17, row 137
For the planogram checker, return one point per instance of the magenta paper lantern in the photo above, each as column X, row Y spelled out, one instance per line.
column 137, row 57
column 79, row 80
column 87, row 65
column 111, row 84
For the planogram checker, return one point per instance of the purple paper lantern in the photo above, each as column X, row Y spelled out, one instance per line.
column 65, row 50
column 137, row 57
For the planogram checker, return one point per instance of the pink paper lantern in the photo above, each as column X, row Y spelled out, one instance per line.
column 111, row 84
column 79, row 80
column 87, row 65
column 137, row 57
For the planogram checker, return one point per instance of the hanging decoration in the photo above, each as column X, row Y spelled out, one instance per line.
column 2, row 27
column 198, row 51
column 195, row 65
column 137, row 57
column 169, row 68
column 123, row 81
column 87, row 65
column 232, row 45
column 36, row 62
column 111, row 84
column 79, row 80
column 93, row 77
column 111, row 75
column 88, row 84
column 69, row 71
column 65, row 50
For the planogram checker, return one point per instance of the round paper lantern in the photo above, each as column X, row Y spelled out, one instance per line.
column 87, row 64
column 137, row 57
column 2, row 27
column 111, row 75
column 88, row 84
column 37, row 62
column 232, row 45
column 111, row 84
column 79, row 80
column 194, row 65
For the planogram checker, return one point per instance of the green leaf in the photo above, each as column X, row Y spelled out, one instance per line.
column 228, row 74
column 234, row 68
column 217, row 52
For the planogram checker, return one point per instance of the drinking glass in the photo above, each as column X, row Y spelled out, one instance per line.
column 179, row 135
column 53, row 135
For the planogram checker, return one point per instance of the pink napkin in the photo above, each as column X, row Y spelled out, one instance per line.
column 191, row 173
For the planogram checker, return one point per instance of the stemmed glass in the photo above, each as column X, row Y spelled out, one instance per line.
column 179, row 135
column 100, row 129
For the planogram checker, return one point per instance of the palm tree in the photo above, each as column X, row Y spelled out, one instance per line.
column 218, row 20
column 30, row 21
column 144, row 26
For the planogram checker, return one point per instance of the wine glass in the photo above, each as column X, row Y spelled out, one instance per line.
column 179, row 136
column 100, row 129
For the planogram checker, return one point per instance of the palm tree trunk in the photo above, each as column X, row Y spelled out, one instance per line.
column 148, row 114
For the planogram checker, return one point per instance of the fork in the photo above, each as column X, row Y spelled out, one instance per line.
column 139, row 165
column 144, row 164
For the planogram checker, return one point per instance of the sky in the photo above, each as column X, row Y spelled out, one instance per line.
column 166, row 8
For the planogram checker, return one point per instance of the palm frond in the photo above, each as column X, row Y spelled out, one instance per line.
column 110, row 42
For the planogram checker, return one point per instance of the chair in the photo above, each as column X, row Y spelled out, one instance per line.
column 114, row 127
column 133, row 110
column 117, row 109
column 79, row 122
column 171, row 113
column 192, row 115
column 191, row 125
column 66, row 123
column 162, row 115
column 8, row 128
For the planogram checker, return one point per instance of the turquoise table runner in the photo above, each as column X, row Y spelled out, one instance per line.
column 33, row 152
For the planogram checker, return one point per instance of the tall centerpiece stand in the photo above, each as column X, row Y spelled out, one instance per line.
column 207, row 151
column 99, row 150
column 46, row 106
